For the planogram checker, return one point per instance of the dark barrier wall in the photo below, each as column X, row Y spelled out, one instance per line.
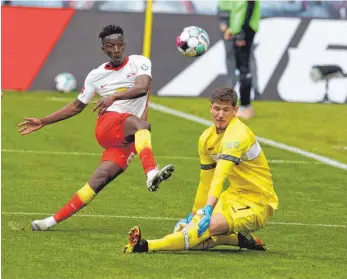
column 79, row 49
column 27, row 37
column 286, row 49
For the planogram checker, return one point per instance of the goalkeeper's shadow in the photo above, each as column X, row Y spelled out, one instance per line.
column 219, row 251
column 200, row 252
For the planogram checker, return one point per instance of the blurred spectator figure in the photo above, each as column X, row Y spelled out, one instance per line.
column 6, row 2
column 341, row 6
column 239, row 21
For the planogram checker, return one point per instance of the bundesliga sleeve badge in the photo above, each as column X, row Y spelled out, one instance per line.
column 144, row 67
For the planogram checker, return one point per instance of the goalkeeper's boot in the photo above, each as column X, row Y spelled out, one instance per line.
column 135, row 243
column 155, row 177
column 250, row 241
column 44, row 224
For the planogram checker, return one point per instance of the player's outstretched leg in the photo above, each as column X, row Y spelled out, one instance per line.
column 135, row 243
column 178, row 241
column 249, row 241
column 138, row 130
column 105, row 173
column 242, row 240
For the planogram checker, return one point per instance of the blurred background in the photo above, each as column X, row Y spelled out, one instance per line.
column 286, row 49
column 321, row 9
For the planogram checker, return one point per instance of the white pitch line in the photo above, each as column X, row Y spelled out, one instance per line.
column 167, row 218
column 81, row 153
column 274, row 161
column 59, row 99
column 339, row 147
column 269, row 142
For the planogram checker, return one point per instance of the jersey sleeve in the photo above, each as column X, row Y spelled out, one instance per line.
column 88, row 91
column 144, row 66
column 205, row 160
column 206, row 174
column 234, row 144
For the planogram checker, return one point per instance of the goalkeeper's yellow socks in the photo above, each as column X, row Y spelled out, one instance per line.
column 143, row 147
column 171, row 242
column 178, row 241
column 84, row 196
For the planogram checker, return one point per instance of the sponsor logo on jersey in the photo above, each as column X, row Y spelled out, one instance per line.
column 144, row 67
column 131, row 75
column 231, row 144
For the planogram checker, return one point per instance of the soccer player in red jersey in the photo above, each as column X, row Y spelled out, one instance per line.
column 121, row 128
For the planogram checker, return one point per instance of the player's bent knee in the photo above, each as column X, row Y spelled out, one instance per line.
column 135, row 124
column 103, row 176
column 218, row 225
column 146, row 126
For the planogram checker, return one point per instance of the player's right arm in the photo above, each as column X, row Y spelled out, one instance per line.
column 234, row 144
column 139, row 89
column 207, row 166
column 32, row 124
column 206, row 175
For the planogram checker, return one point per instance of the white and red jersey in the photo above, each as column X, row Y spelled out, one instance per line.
column 106, row 81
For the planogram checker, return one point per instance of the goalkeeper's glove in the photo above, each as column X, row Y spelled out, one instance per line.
column 182, row 223
column 204, row 223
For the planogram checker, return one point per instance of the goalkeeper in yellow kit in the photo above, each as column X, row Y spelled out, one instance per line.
column 228, row 150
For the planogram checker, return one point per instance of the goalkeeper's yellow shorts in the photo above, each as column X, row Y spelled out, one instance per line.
column 242, row 214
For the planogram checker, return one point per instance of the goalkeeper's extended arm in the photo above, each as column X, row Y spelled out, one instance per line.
column 221, row 173
column 206, row 176
column 200, row 197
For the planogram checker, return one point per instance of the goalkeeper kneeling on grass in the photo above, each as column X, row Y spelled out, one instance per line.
column 228, row 150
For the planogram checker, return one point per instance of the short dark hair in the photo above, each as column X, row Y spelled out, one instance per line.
column 224, row 95
column 110, row 29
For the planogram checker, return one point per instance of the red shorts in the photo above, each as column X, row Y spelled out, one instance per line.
column 109, row 133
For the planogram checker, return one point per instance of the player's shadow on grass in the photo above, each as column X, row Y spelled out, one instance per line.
column 201, row 252
column 224, row 251
column 241, row 251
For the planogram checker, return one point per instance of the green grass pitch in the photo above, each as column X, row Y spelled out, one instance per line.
column 306, row 237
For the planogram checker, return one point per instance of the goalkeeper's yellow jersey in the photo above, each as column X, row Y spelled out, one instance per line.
column 236, row 155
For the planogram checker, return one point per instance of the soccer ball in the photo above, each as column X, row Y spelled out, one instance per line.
column 192, row 41
column 65, row 82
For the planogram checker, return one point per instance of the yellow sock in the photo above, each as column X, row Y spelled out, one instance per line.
column 142, row 140
column 86, row 194
column 143, row 147
column 179, row 241
column 171, row 242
